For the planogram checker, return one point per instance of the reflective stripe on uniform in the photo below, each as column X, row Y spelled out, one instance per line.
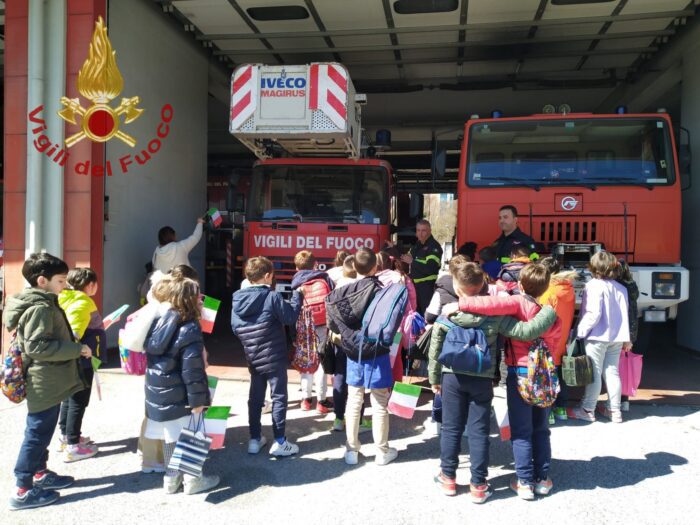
column 425, row 261
column 425, row 279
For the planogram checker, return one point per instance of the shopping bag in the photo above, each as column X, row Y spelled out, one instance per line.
column 630, row 368
column 191, row 449
column 576, row 370
column 500, row 410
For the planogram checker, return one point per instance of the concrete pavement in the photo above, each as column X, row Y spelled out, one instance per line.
column 643, row 471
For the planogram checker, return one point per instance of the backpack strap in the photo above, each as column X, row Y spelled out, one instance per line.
column 445, row 321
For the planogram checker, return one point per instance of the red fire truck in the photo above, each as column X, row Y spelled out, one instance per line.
column 582, row 182
column 310, row 190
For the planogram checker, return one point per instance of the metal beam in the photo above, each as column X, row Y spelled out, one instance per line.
column 449, row 45
column 487, row 27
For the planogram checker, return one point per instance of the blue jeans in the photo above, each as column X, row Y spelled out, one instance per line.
column 436, row 412
column 529, row 430
column 256, row 400
column 465, row 400
column 340, row 386
column 34, row 452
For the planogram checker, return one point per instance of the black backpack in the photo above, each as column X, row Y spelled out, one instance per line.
column 346, row 305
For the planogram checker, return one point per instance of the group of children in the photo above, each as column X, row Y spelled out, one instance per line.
column 60, row 330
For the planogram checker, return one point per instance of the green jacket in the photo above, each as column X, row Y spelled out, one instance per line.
column 492, row 327
column 49, row 353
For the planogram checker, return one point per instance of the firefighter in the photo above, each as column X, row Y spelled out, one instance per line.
column 425, row 259
column 512, row 235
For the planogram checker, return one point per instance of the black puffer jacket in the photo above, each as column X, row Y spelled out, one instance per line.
column 258, row 316
column 175, row 377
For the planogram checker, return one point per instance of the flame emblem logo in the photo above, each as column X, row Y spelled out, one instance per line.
column 100, row 81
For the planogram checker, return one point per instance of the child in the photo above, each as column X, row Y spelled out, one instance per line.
column 258, row 318
column 604, row 327
column 336, row 272
column 176, row 383
column 349, row 273
column 561, row 296
column 528, row 424
column 87, row 325
column 50, row 357
column 315, row 286
column 373, row 374
column 489, row 262
column 466, row 396
column 626, row 280
column 510, row 272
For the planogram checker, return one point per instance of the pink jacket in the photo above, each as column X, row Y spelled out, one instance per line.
column 523, row 308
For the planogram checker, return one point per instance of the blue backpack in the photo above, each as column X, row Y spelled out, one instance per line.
column 464, row 349
column 382, row 320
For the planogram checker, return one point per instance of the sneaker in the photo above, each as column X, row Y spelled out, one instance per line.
column 201, row 484
column 151, row 468
column 33, row 498
column 446, row 485
column 560, row 414
column 78, row 452
column 324, row 407
column 306, row 404
column 49, row 480
column 172, row 484
column 384, row 458
column 625, row 406
column 285, row 449
column 254, row 445
column 365, row 426
column 351, row 457
column 63, row 442
column 432, row 427
column 523, row 490
column 551, row 418
column 580, row 413
column 613, row 415
column 544, row 487
column 338, row 425
column 480, row 493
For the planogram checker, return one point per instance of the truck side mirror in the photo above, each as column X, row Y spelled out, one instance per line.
column 415, row 206
column 439, row 162
column 684, row 158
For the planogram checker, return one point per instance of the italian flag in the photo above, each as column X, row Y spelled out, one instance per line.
column 404, row 399
column 215, row 420
column 215, row 216
column 209, row 309
column 212, row 381
column 500, row 410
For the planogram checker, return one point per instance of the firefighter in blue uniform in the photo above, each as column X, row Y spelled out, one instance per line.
column 425, row 259
column 512, row 235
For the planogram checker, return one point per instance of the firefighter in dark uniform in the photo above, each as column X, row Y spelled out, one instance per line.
column 425, row 259
column 511, row 236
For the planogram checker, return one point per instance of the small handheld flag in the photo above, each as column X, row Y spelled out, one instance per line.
column 404, row 399
column 212, row 381
column 209, row 310
column 114, row 317
column 215, row 420
column 215, row 216
column 500, row 410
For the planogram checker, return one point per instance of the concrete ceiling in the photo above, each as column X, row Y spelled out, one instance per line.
column 428, row 72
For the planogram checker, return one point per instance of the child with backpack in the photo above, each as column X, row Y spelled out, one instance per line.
column 489, row 262
column 529, row 425
column 258, row 317
column 87, row 325
column 336, row 273
column 368, row 364
column 177, row 389
column 52, row 374
column 562, row 297
column 467, row 394
column 316, row 285
column 625, row 279
column 604, row 328
column 509, row 273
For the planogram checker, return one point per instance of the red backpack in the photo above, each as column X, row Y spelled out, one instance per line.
column 315, row 292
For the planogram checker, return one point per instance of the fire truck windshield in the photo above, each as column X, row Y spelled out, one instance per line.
column 570, row 151
column 313, row 193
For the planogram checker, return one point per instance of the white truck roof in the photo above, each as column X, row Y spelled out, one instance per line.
column 309, row 110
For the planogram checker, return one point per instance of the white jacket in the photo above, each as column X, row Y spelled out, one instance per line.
column 167, row 257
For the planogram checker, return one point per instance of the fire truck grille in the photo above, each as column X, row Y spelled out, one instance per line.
column 609, row 231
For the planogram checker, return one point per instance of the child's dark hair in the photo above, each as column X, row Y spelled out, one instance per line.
column 305, row 260
column 552, row 264
column 390, row 259
column 79, row 278
column 534, row 278
column 183, row 271
column 184, row 298
column 604, row 265
column 487, row 253
column 42, row 265
column 625, row 271
column 340, row 257
column 467, row 273
column 520, row 250
column 256, row 268
column 166, row 235
column 468, row 249
column 365, row 261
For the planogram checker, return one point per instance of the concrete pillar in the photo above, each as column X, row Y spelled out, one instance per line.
column 689, row 313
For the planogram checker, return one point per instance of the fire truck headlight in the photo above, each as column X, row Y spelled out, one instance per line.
column 665, row 285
